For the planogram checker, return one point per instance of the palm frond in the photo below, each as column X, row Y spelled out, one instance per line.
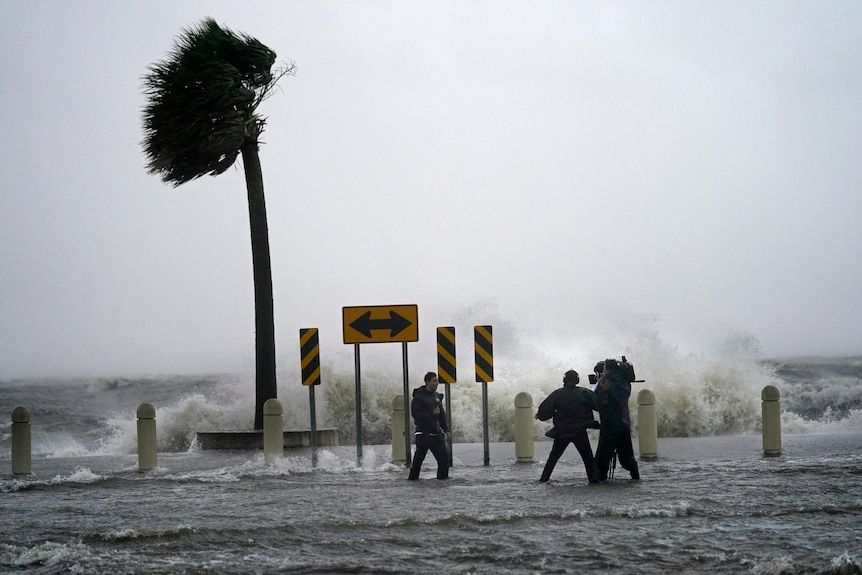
column 202, row 101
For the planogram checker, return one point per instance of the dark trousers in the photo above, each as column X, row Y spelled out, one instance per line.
column 616, row 438
column 436, row 443
column 582, row 444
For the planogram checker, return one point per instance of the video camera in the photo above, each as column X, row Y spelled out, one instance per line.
column 627, row 369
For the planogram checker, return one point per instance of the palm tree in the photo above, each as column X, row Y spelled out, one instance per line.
column 201, row 113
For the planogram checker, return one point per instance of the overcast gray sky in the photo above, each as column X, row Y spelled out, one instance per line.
column 693, row 167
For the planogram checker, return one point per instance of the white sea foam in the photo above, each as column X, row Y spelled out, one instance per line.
column 81, row 475
column 129, row 534
column 48, row 554
column 794, row 423
column 681, row 509
column 846, row 563
column 259, row 466
column 774, row 566
column 60, row 445
column 177, row 423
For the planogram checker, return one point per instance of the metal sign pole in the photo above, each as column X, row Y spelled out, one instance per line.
column 485, row 421
column 309, row 349
column 313, row 411
column 406, row 405
column 358, row 408
column 483, row 340
column 449, row 420
column 446, row 371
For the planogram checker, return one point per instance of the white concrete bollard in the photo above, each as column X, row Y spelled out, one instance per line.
column 21, row 446
column 647, row 425
column 148, row 456
column 399, row 448
column 273, row 430
column 771, row 410
column 525, row 447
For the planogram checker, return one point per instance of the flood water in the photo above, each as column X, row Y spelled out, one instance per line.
column 706, row 505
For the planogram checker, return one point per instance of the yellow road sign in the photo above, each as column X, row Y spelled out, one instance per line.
column 483, row 336
column 309, row 349
column 380, row 323
column 446, row 355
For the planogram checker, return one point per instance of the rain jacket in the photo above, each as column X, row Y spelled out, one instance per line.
column 572, row 410
column 422, row 409
column 614, row 391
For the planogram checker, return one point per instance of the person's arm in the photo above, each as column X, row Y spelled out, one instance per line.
column 593, row 400
column 601, row 391
column 547, row 408
column 444, row 421
column 603, row 384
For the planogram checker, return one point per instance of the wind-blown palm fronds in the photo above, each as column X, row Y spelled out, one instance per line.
column 202, row 102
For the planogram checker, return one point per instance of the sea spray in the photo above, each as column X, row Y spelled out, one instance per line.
column 708, row 399
column 696, row 394
column 177, row 423
column 821, row 388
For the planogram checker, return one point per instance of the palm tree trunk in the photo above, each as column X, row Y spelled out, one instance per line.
column 264, row 314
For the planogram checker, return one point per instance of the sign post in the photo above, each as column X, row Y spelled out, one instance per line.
column 380, row 324
column 309, row 349
column 358, row 405
column 484, row 345
column 446, row 370
column 406, row 405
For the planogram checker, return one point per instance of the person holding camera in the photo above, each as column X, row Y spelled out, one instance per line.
column 571, row 408
column 432, row 428
column 613, row 389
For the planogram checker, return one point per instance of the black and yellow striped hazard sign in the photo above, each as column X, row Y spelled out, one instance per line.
column 484, row 344
column 446, row 371
column 309, row 347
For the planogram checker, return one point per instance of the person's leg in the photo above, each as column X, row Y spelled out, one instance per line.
column 441, row 454
column 419, row 456
column 604, row 451
column 582, row 444
column 626, row 453
column 556, row 452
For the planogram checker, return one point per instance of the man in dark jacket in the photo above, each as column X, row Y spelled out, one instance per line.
column 431, row 427
column 572, row 409
column 614, row 389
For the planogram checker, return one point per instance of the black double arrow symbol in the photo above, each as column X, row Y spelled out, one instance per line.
column 395, row 324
